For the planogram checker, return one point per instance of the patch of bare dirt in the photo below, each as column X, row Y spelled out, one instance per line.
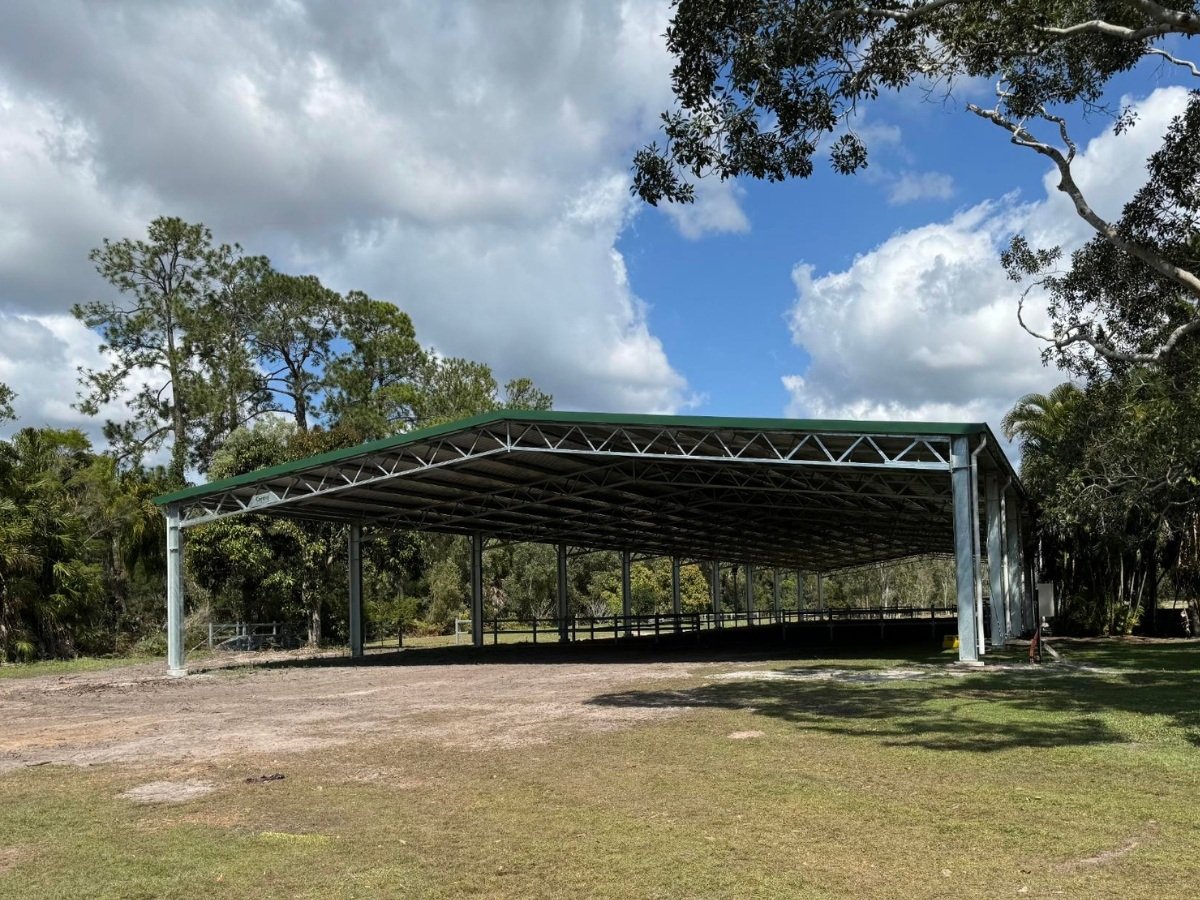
column 10, row 856
column 1104, row 857
column 169, row 791
column 745, row 735
column 137, row 716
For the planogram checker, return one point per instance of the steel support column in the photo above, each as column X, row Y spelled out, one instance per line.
column 749, row 592
column 564, row 628
column 965, row 529
column 996, row 567
column 978, row 553
column 820, row 592
column 716, row 588
column 477, row 590
column 175, row 629
column 776, row 606
column 1016, row 587
column 799, row 592
column 676, row 599
column 354, row 552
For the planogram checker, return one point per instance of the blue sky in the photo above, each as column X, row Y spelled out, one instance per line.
column 471, row 164
column 718, row 301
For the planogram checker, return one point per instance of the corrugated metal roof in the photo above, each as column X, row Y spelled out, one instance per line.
column 829, row 426
column 812, row 494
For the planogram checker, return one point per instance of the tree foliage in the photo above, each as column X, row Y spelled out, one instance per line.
column 1114, row 469
column 80, row 547
column 223, row 365
column 205, row 340
column 166, row 284
column 7, row 395
column 763, row 87
column 1109, row 308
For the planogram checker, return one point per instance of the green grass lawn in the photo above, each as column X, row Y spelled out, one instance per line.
column 1034, row 783
column 68, row 666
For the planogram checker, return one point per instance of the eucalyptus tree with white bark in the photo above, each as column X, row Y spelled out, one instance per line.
column 763, row 86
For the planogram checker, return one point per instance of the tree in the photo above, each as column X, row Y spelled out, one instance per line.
column 52, row 583
column 761, row 85
column 1112, row 469
column 232, row 390
column 166, row 283
column 454, row 388
column 17, row 558
column 6, row 404
column 375, row 384
column 1118, row 304
column 296, row 321
column 522, row 393
column 1038, row 421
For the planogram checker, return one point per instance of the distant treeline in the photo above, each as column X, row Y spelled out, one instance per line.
column 221, row 365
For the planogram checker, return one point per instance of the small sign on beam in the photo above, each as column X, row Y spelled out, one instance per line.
column 265, row 498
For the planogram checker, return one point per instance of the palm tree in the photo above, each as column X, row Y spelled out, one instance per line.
column 16, row 558
column 1038, row 421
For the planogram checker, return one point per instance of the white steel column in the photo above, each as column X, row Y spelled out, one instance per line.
column 820, row 592
column 355, row 567
column 1009, row 611
column 175, row 629
column 799, row 592
column 477, row 590
column 995, row 542
column 964, row 546
column 1016, row 572
column 676, row 599
column 776, row 606
column 564, row 629
column 716, row 588
column 978, row 557
column 749, row 592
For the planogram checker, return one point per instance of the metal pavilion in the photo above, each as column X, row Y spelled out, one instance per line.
column 814, row 496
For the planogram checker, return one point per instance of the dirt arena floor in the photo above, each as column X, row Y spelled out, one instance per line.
column 138, row 716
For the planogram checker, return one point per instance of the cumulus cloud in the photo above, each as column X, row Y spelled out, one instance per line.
column 38, row 357
column 912, row 186
column 717, row 209
column 468, row 162
column 923, row 327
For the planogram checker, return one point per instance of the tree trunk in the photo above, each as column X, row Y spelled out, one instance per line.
column 179, row 448
column 312, row 599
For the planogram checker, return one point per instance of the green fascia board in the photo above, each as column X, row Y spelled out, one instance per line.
column 517, row 417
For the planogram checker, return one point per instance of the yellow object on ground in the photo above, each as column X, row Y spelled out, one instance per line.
column 950, row 642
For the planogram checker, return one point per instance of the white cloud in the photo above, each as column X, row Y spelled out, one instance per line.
column 923, row 327
column 908, row 187
column 469, row 163
column 575, row 325
column 39, row 358
column 717, row 209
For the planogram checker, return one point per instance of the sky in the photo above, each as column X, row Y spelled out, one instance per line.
column 470, row 163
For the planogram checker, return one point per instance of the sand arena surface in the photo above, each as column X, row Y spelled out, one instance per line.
column 137, row 716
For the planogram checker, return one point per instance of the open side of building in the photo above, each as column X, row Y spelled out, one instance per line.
column 813, row 496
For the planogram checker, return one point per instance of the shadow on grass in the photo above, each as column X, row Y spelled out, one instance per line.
column 986, row 712
column 1149, row 654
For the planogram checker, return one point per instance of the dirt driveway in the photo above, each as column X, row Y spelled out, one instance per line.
column 135, row 715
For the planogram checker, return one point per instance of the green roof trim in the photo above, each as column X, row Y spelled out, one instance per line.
column 826, row 426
